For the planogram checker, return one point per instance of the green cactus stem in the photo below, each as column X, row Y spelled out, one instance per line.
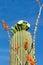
column 18, row 39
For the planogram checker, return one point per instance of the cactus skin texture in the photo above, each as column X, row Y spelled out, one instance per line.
column 18, row 40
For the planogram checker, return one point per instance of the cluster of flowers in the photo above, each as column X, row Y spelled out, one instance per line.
column 21, row 25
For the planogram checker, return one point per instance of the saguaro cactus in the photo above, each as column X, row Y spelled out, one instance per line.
column 22, row 45
column 22, row 39
column 18, row 40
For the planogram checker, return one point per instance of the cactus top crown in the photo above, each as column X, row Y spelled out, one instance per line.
column 21, row 25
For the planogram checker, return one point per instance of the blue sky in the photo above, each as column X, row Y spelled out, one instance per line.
column 12, row 11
